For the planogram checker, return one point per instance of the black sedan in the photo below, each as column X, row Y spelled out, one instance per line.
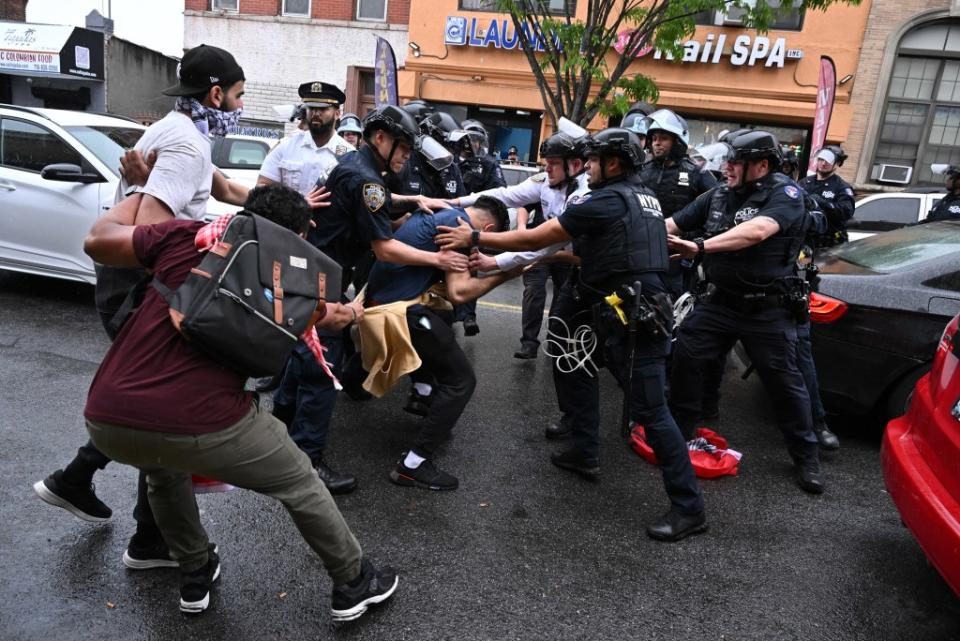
column 878, row 314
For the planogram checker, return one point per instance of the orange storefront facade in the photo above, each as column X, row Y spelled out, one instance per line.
column 467, row 59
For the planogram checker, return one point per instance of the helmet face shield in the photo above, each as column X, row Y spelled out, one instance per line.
column 433, row 152
column 716, row 155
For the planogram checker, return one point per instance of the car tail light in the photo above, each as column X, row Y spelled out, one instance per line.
column 945, row 358
column 824, row 309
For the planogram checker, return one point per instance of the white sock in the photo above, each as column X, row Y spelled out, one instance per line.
column 413, row 461
column 423, row 389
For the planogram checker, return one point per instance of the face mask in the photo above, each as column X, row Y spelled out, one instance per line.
column 210, row 120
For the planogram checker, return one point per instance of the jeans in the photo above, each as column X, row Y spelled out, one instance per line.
column 309, row 392
column 535, row 297
column 451, row 374
column 464, row 311
column 256, row 454
column 770, row 338
column 648, row 405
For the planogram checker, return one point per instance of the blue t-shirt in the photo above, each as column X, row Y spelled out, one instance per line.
column 389, row 282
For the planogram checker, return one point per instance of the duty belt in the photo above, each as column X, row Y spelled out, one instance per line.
column 747, row 303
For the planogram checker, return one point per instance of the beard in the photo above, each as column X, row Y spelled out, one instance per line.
column 320, row 128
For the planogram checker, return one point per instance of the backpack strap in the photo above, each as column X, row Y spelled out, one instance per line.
column 129, row 305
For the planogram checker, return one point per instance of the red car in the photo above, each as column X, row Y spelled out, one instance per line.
column 921, row 459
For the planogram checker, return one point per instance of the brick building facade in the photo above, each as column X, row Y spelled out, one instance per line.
column 279, row 50
column 13, row 10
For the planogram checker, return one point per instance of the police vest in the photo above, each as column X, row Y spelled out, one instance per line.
column 675, row 186
column 760, row 268
column 634, row 243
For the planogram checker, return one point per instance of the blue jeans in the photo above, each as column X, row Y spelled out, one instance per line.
column 309, row 391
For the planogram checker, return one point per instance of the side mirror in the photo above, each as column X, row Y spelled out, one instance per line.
column 68, row 172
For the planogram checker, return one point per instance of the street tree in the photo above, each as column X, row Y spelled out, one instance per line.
column 581, row 65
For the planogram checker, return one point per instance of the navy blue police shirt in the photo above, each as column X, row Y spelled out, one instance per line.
column 357, row 214
column 389, row 282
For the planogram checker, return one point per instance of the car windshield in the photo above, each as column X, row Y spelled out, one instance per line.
column 900, row 249
column 107, row 143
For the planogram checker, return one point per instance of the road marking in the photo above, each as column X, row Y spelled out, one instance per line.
column 511, row 308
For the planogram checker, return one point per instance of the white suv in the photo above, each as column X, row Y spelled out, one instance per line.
column 893, row 210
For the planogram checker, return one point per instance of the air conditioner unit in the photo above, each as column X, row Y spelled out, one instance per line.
column 899, row 174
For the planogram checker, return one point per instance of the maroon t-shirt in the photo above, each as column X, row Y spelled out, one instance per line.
column 151, row 377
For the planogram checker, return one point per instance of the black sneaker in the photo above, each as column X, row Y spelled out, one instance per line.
column 425, row 475
column 674, row 526
column 153, row 555
column 809, row 478
column 350, row 600
column 79, row 501
column 418, row 404
column 470, row 327
column 336, row 482
column 195, row 586
column 526, row 352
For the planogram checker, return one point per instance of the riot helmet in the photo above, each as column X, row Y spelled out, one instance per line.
column 419, row 109
column 942, row 169
column 642, row 108
column 477, row 135
column 728, row 135
column 757, row 145
column 349, row 123
column 396, row 122
column 714, row 155
column 790, row 163
column 833, row 154
column 635, row 122
column 439, row 125
column 619, row 142
column 560, row 145
column 669, row 122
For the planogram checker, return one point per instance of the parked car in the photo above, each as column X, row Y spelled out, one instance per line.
column 878, row 315
column 240, row 157
column 888, row 211
column 920, row 457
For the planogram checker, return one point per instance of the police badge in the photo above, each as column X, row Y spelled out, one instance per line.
column 374, row 196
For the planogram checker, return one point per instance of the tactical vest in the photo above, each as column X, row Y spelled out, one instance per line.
column 675, row 187
column 760, row 268
column 633, row 244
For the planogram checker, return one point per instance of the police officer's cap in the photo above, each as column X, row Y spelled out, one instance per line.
column 619, row 142
column 320, row 95
column 757, row 145
column 394, row 121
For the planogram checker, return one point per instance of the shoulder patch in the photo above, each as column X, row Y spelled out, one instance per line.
column 539, row 178
column 791, row 191
column 848, row 191
column 374, row 196
column 341, row 150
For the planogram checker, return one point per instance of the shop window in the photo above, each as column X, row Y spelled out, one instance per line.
column 225, row 5
column 787, row 19
column 921, row 117
column 372, row 10
column 299, row 8
column 31, row 148
column 554, row 6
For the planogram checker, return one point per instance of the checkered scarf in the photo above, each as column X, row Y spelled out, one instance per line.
column 209, row 120
column 208, row 236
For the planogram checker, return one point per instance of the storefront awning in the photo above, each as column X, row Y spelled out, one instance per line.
column 46, row 50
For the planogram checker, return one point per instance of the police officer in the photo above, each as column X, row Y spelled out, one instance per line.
column 948, row 207
column 619, row 235
column 355, row 222
column 833, row 195
column 790, row 167
column 480, row 170
column 303, row 160
column 350, row 130
column 674, row 178
column 754, row 226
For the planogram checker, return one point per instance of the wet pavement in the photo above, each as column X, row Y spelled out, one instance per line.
column 521, row 551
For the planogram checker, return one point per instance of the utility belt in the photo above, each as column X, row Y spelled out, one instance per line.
column 795, row 298
column 626, row 309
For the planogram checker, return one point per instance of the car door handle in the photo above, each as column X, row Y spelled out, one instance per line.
column 8, row 186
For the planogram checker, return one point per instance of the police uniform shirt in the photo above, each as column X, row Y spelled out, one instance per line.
column 509, row 260
column 417, row 178
column 533, row 189
column 776, row 197
column 833, row 191
column 298, row 163
column 480, row 173
column 390, row 282
column 676, row 185
column 948, row 208
column 357, row 214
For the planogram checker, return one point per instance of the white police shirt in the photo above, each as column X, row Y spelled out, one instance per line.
column 298, row 163
column 510, row 260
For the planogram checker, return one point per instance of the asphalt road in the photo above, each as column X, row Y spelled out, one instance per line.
column 521, row 551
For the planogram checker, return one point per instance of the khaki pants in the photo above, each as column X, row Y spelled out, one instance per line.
column 256, row 454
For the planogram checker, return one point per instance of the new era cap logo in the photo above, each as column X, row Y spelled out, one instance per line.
column 214, row 79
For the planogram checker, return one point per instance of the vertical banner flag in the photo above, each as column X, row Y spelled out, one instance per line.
column 385, row 75
column 826, row 91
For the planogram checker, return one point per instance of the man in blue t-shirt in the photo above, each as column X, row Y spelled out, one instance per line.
column 431, row 333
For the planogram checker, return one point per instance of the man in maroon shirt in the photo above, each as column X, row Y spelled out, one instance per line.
column 188, row 414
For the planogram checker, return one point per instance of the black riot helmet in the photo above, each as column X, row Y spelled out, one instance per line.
column 439, row 125
column 560, row 145
column 642, row 108
column 394, row 121
column 839, row 155
column 419, row 109
column 619, row 142
column 476, row 140
column 728, row 135
column 635, row 122
column 790, row 162
column 757, row 145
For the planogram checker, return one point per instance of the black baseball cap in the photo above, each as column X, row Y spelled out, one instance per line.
column 204, row 67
